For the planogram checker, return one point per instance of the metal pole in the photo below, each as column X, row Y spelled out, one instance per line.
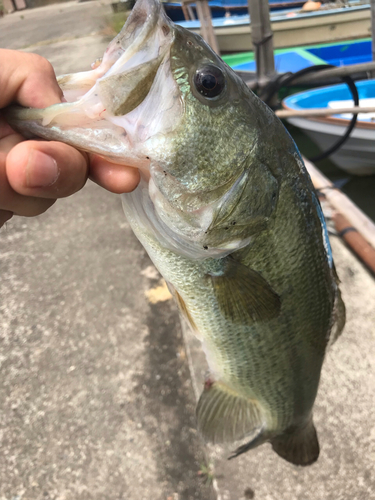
column 357, row 70
column 373, row 32
column 335, row 72
column 262, row 38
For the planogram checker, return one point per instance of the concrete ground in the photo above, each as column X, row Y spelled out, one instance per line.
column 45, row 25
column 96, row 397
column 96, row 400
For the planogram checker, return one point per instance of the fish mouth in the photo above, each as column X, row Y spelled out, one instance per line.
column 116, row 107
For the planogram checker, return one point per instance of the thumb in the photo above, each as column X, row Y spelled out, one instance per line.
column 46, row 169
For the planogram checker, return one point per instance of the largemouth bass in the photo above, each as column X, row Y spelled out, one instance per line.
column 228, row 215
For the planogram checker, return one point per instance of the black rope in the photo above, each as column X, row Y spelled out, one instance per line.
column 287, row 79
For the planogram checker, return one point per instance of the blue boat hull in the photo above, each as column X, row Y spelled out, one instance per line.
column 357, row 155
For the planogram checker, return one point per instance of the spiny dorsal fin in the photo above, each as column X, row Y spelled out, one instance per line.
column 299, row 446
column 224, row 416
column 339, row 313
column 244, row 295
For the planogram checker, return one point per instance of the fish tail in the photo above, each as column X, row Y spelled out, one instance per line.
column 299, row 445
column 225, row 416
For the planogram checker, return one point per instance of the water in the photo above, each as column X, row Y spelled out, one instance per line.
column 361, row 190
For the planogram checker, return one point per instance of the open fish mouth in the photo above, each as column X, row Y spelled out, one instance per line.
column 162, row 101
column 114, row 109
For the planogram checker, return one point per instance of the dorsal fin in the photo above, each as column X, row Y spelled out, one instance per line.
column 339, row 312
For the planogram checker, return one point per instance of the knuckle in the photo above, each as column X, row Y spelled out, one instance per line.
column 40, row 63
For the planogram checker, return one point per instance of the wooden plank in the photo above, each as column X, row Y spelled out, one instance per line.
column 185, row 12
column 339, row 201
column 289, row 113
column 355, row 240
column 207, row 30
column 191, row 12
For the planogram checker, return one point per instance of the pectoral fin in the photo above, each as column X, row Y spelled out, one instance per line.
column 224, row 416
column 244, row 295
column 182, row 306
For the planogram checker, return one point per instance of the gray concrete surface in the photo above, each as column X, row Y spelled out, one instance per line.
column 344, row 413
column 63, row 21
column 96, row 401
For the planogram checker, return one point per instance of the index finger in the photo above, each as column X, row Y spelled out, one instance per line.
column 28, row 79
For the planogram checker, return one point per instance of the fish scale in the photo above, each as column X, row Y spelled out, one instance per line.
column 227, row 213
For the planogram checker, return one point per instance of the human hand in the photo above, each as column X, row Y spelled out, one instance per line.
column 33, row 174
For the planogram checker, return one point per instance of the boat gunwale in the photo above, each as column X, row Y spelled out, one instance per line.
column 331, row 120
column 302, row 17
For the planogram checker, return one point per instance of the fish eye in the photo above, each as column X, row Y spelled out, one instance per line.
column 209, row 81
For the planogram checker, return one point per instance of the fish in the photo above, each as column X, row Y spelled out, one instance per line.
column 227, row 213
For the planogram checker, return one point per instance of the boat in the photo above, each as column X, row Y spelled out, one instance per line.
column 222, row 8
column 289, row 26
column 357, row 154
column 297, row 58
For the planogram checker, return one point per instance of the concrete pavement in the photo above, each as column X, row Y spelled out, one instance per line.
column 63, row 21
column 96, row 400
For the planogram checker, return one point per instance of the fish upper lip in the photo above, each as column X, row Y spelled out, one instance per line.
column 144, row 40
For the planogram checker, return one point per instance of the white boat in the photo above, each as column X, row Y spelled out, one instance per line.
column 357, row 154
column 292, row 27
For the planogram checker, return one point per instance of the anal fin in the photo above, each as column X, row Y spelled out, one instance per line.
column 299, row 446
column 224, row 416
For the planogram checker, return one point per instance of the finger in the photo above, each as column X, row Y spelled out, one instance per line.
column 11, row 201
column 116, row 178
column 7, row 143
column 28, row 79
column 5, row 128
column 46, row 169
column 5, row 215
column 14, row 203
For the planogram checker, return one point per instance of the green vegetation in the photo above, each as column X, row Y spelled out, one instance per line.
column 117, row 20
column 207, row 473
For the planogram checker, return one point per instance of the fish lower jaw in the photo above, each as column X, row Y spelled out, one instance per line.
column 193, row 242
column 189, row 229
